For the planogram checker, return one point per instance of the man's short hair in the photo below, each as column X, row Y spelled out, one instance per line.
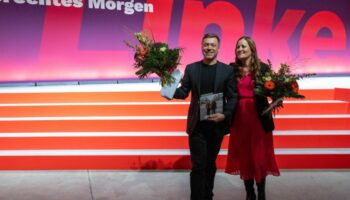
column 211, row 35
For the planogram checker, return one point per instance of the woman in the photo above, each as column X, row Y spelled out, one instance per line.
column 250, row 151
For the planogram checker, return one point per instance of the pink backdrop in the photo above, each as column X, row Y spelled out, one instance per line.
column 54, row 42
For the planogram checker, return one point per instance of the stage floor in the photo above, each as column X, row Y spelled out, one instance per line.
column 164, row 185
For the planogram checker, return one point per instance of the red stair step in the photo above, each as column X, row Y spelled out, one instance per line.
column 314, row 107
column 94, row 110
column 61, row 97
column 131, row 96
column 157, row 142
column 135, row 124
column 157, row 162
column 156, row 109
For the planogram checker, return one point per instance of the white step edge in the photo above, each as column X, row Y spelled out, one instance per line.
column 161, row 152
column 157, row 134
column 306, row 83
column 149, row 103
column 96, row 104
column 312, row 132
column 93, row 118
column 71, row 118
column 313, row 116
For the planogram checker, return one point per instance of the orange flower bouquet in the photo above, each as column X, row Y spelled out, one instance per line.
column 279, row 85
column 154, row 57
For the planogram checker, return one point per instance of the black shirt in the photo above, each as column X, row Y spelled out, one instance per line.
column 208, row 73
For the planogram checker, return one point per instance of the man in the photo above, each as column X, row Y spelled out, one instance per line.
column 205, row 137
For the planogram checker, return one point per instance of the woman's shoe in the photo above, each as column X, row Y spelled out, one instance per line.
column 261, row 189
column 249, row 187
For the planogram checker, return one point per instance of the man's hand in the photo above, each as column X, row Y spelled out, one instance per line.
column 217, row 117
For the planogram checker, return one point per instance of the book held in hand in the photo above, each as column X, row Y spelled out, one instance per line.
column 168, row 90
column 210, row 104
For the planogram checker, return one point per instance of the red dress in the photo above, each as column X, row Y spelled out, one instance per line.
column 250, row 152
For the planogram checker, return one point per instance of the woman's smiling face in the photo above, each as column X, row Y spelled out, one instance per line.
column 243, row 51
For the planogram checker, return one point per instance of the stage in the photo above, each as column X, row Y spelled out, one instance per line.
column 129, row 126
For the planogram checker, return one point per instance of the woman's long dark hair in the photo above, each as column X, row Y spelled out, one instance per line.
column 255, row 65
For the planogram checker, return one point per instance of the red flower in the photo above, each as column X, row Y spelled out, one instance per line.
column 295, row 87
column 270, row 85
column 141, row 50
column 138, row 58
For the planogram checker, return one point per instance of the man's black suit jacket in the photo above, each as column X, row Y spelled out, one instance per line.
column 224, row 82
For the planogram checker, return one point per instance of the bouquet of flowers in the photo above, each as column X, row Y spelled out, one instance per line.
column 154, row 57
column 279, row 85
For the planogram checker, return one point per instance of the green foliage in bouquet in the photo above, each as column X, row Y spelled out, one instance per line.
column 154, row 57
column 279, row 85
